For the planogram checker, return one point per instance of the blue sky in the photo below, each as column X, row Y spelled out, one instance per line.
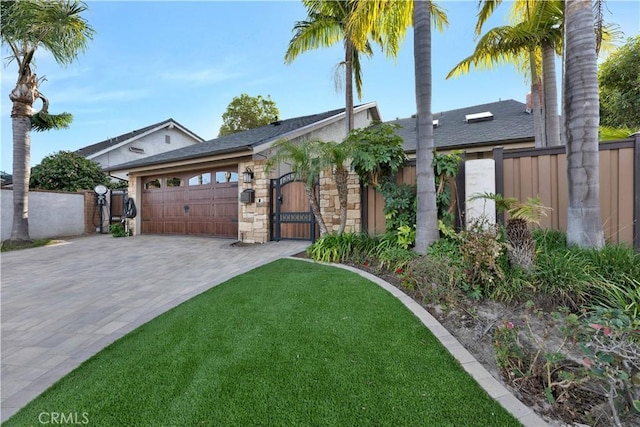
column 152, row 60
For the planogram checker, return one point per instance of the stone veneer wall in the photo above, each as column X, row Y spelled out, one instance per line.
column 330, row 203
column 253, row 221
column 134, row 181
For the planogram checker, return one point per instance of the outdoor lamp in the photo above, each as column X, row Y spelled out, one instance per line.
column 247, row 175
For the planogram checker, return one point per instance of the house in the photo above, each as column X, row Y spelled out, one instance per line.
column 197, row 190
column 158, row 138
column 6, row 180
column 476, row 130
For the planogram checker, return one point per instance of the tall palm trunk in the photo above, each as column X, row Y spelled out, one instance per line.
column 550, row 96
column 348, row 60
column 427, row 214
column 23, row 96
column 581, row 119
column 538, row 133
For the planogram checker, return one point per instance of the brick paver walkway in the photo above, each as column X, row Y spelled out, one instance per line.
column 62, row 304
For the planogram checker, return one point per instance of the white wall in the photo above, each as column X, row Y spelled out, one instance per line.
column 51, row 214
column 152, row 144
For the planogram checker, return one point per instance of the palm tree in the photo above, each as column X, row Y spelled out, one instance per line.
column 306, row 165
column 53, row 25
column 581, row 119
column 388, row 21
column 325, row 26
column 335, row 156
column 427, row 211
column 539, row 28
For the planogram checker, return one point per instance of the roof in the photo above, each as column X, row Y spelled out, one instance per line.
column 112, row 143
column 241, row 141
column 510, row 123
column 6, row 179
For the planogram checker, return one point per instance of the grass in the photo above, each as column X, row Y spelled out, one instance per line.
column 290, row 343
column 6, row 247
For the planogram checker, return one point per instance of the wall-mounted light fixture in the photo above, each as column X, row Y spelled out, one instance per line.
column 247, row 175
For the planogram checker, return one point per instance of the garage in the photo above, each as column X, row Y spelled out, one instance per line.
column 203, row 203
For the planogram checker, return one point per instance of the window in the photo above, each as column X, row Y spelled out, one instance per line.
column 226, row 176
column 136, row 150
column 153, row 184
column 167, row 139
column 202, row 179
column 174, row 182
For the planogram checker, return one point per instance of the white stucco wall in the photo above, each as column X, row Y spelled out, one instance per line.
column 152, row 144
column 480, row 177
column 51, row 214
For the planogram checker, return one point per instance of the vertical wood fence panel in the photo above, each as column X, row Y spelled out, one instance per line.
column 532, row 172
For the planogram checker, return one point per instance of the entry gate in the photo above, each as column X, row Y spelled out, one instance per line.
column 291, row 215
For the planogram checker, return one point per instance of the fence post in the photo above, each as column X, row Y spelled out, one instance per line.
column 636, row 192
column 498, row 157
column 461, row 195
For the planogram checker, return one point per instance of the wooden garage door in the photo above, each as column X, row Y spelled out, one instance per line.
column 198, row 203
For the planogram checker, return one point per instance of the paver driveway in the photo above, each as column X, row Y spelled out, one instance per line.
column 62, row 304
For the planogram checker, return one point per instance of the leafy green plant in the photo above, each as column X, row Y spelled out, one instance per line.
column 613, row 357
column 67, row 171
column 445, row 168
column 399, row 204
column 509, row 352
column 406, row 236
column 481, row 249
column 117, row 230
column 377, row 153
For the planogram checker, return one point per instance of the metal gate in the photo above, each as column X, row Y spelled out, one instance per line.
column 291, row 215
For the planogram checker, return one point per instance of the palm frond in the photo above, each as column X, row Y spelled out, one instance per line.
column 43, row 121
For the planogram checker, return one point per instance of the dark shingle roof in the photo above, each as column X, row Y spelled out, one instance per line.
column 231, row 143
column 510, row 123
column 110, row 142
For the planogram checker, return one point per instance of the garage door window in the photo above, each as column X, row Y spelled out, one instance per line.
column 202, row 179
column 226, row 176
column 175, row 182
column 153, row 184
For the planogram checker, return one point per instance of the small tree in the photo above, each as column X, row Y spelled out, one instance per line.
column 246, row 112
column 306, row 165
column 335, row 156
column 67, row 171
column 619, row 81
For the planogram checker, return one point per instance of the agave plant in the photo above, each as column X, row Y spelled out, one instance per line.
column 521, row 247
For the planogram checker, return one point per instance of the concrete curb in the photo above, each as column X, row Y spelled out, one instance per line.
column 493, row 387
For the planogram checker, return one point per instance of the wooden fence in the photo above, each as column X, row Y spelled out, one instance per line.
column 527, row 173
column 524, row 173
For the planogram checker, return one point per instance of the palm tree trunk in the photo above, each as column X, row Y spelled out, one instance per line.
column 315, row 208
column 23, row 96
column 348, row 93
column 340, row 176
column 550, row 97
column 427, row 214
column 535, row 102
column 21, row 127
column 581, row 120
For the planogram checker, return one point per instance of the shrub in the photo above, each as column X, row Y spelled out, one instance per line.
column 481, row 250
column 435, row 279
column 117, row 230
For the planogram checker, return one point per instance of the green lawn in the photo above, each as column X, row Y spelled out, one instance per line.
column 288, row 344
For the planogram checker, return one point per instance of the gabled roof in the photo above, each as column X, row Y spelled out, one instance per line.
column 113, row 143
column 510, row 123
column 242, row 141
